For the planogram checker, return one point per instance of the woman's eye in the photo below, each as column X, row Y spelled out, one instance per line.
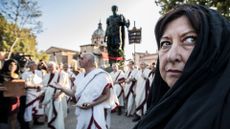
column 190, row 40
column 165, row 44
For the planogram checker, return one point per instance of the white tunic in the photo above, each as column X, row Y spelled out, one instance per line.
column 129, row 91
column 88, row 89
column 56, row 110
column 118, row 77
column 32, row 95
column 142, row 89
column 151, row 77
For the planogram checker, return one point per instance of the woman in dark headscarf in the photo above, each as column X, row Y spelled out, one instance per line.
column 9, row 106
column 191, row 89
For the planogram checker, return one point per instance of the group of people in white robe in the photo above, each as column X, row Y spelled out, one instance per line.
column 44, row 103
column 94, row 93
column 132, row 88
column 33, row 79
column 47, row 94
column 97, row 93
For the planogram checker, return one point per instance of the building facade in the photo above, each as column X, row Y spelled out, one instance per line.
column 61, row 55
column 98, row 47
column 146, row 57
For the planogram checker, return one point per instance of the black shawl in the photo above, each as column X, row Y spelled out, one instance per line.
column 200, row 99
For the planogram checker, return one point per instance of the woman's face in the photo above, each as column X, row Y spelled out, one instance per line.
column 12, row 67
column 176, row 45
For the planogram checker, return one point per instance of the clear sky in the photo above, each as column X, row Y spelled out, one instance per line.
column 71, row 23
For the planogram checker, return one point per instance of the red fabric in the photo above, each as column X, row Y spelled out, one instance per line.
column 16, row 105
column 116, row 58
column 115, row 108
column 92, row 120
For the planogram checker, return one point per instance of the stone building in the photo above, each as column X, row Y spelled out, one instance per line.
column 62, row 55
column 146, row 57
column 98, row 47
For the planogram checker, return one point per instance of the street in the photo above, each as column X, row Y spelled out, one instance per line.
column 117, row 122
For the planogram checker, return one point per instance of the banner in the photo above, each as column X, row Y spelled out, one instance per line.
column 134, row 36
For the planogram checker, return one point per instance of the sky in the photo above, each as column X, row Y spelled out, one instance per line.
column 71, row 23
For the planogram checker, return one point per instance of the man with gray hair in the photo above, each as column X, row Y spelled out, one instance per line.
column 94, row 95
column 55, row 100
column 118, row 77
column 141, row 91
column 33, row 79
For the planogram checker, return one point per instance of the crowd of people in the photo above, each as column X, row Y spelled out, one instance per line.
column 132, row 88
column 50, row 86
column 40, row 102
column 188, row 88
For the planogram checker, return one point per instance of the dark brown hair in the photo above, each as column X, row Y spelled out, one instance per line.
column 191, row 12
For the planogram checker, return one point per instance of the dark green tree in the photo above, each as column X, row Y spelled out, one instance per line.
column 41, row 55
column 26, row 45
column 21, row 17
column 222, row 6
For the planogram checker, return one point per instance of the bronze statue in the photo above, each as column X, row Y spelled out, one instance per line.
column 115, row 36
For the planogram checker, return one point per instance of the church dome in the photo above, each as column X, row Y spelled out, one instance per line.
column 99, row 31
column 98, row 35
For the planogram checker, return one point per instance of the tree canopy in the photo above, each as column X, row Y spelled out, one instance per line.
column 222, row 6
column 23, row 13
column 19, row 25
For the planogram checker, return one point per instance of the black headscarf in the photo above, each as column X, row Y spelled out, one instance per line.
column 5, row 67
column 200, row 99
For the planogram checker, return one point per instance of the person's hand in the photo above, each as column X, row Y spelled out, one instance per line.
column 28, row 85
column 72, row 79
column 86, row 105
column 38, row 88
column 128, row 80
column 56, row 96
column 143, row 76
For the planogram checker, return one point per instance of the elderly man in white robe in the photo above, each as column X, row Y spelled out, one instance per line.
column 33, row 79
column 130, row 88
column 55, row 100
column 118, row 77
column 142, row 91
column 94, row 94
column 152, row 73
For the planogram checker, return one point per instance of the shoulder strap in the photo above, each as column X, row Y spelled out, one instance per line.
column 118, row 75
column 59, row 75
column 129, row 74
column 51, row 78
